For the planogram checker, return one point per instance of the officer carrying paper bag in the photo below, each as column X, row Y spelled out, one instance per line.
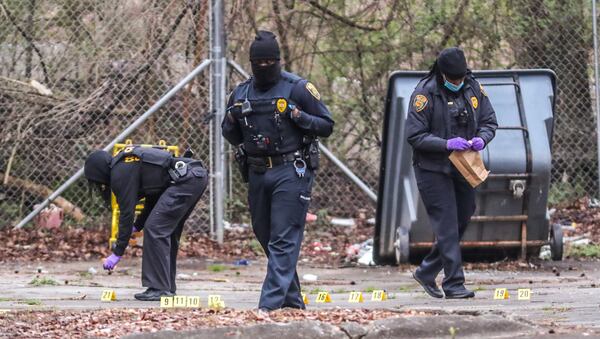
column 449, row 113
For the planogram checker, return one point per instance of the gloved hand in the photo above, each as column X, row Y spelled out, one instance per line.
column 477, row 144
column 111, row 262
column 457, row 144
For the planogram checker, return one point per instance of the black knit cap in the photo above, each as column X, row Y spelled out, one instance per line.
column 452, row 63
column 264, row 46
column 97, row 167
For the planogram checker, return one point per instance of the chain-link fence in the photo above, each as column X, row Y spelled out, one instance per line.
column 73, row 74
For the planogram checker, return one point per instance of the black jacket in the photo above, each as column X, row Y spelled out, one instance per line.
column 428, row 123
column 125, row 180
column 136, row 173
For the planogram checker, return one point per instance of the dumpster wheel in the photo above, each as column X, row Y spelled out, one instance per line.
column 556, row 242
column 401, row 245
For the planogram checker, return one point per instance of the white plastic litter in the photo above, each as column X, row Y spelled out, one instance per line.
column 545, row 253
column 309, row 277
column 92, row 271
column 367, row 258
column 346, row 222
column 580, row 242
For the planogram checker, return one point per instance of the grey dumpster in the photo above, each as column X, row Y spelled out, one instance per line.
column 511, row 215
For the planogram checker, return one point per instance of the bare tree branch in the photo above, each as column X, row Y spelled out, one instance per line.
column 349, row 22
column 27, row 37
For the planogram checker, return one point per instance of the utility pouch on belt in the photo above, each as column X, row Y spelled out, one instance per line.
column 242, row 160
column 312, row 155
column 178, row 171
column 257, row 165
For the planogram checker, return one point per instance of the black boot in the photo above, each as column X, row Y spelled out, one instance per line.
column 152, row 294
column 430, row 287
column 460, row 293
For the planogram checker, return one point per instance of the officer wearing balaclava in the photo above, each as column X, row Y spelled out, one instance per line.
column 449, row 111
column 275, row 119
column 170, row 187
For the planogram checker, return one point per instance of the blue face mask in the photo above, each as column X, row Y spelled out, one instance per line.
column 453, row 87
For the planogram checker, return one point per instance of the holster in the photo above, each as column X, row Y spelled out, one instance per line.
column 242, row 160
column 312, row 155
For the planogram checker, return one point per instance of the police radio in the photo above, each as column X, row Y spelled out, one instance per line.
column 458, row 112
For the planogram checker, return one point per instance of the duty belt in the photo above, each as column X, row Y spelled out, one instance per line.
column 275, row 160
column 180, row 167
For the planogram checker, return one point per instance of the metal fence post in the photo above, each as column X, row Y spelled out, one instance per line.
column 596, row 87
column 217, row 107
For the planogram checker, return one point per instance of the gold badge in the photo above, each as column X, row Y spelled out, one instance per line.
column 482, row 90
column 281, row 105
column 420, row 102
column 475, row 102
column 313, row 90
column 128, row 150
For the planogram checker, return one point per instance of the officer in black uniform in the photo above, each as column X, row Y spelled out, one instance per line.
column 275, row 118
column 449, row 111
column 171, row 188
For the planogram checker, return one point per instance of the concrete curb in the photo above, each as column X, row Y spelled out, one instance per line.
column 466, row 326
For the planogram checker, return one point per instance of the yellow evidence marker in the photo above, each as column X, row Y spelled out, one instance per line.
column 193, row 302
column 166, row 302
column 179, row 301
column 356, row 297
column 379, row 295
column 500, row 294
column 323, row 297
column 524, row 294
column 108, row 295
column 304, row 298
column 215, row 302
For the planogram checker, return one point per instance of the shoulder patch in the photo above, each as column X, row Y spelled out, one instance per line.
column 482, row 90
column 313, row 90
column 420, row 102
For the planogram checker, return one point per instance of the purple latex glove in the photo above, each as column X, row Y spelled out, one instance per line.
column 457, row 144
column 134, row 230
column 477, row 144
column 111, row 262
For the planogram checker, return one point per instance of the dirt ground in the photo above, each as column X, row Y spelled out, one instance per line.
column 35, row 298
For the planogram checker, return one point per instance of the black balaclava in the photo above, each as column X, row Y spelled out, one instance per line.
column 452, row 63
column 97, row 172
column 265, row 47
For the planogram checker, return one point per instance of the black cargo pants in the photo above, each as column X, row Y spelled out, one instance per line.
column 163, row 228
column 450, row 203
column 278, row 201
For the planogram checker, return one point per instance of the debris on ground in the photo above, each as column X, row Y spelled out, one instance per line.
column 345, row 222
column 545, row 253
column 116, row 323
column 367, row 258
column 309, row 277
column 361, row 253
column 241, row 262
column 91, row 243
column 581, row 218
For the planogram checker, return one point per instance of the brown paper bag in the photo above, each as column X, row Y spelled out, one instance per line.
column 470, row 165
